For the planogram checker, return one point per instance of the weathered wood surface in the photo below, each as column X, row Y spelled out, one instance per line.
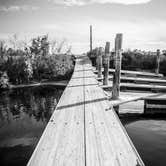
column 138, row 80
column 90, row 38
column 106, row 63
column 100, row 63
column 62, row 142
column 158, row 62
column 118, row 61
column 83, row 130
column 126, row 97
column 155, row 104
column 133, row 102
column 134, row 73
column 132, row 109
column 161, row 96
column 140, row 87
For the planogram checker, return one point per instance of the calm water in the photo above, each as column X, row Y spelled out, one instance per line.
column 24, row 114
column 149, row 138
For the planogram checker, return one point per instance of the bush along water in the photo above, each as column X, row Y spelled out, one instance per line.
column 33, row 63
column 4, row 80
column 136, row 61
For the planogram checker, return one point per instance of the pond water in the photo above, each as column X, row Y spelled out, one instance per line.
column 149, row 137
column 24, row 113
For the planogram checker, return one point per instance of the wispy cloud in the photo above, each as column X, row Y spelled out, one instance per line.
column 87, row 2
column 71, row 2
column 18, row 8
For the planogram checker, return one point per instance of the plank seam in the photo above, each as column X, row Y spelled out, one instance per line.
column 84, row 116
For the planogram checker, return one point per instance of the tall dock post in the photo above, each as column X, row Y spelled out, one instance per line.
column 106, row 63
column 100, row 52
column 90, row 38
column 116, row 75
column 158, row 62
column 97, row 58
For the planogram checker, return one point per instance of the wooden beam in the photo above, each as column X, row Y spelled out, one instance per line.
column 136, row 73
column 116, row 75
column 155, row 105
column 106, row 63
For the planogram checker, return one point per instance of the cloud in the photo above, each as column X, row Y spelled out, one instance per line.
column 71, row 2
column 87, row 2
column 18, row 8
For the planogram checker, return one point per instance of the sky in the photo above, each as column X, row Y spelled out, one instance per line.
column 142, row 22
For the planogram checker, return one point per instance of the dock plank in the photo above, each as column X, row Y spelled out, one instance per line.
column 135, row 73
column 138, row 80
column 133, row 86
column 109, row 134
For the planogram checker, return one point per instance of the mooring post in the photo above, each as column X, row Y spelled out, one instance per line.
column 116, row 75
column 97, row 58
column 100, row 62
column 158, row 62
column 145, row 104
column 90, row 38
column 106, row 63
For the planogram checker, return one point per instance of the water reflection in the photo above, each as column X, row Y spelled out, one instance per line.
column 149, row 137
column 24, row 114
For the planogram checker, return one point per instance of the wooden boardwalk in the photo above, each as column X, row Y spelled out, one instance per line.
column 134, row 73
column 139, row 80
column 83, row 130
column 140, row 87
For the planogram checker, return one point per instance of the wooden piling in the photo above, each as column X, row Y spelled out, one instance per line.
column 100, row 62
column 116, row 75
column 90, row 38
column 97, row 58
column 106, row 63
column 158, row 62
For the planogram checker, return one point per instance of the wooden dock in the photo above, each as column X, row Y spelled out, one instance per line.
column 155, row 105
column 139, row 87
column 126, row 97
column 134, row 103
column 134, row 73
column 139, row 80
column 84, row 130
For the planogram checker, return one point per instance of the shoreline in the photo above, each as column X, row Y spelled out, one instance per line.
column 59, row 84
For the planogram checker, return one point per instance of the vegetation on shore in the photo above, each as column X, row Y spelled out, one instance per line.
column 39, row 60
